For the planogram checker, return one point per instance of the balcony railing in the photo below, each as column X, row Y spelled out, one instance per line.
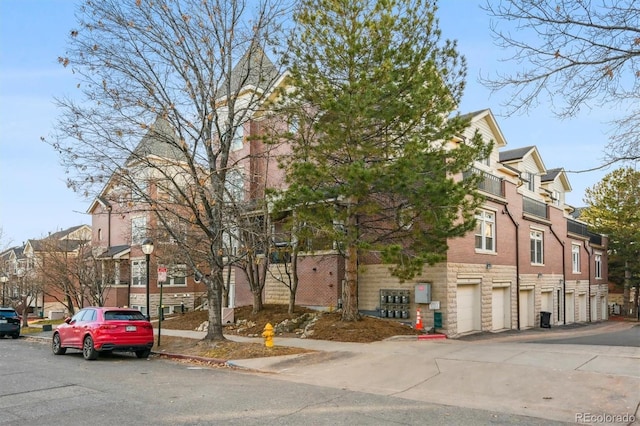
column 583, row 230
column 534, row 207
column 595, row 239
column 577, row 228
column 488, row 182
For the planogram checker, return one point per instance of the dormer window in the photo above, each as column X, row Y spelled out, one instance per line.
column 531, row 181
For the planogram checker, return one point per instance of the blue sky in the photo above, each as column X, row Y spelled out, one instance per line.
column 35, row 201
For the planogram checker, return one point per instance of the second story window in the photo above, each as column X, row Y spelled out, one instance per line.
column 531, row 181
column 598, row 265
column 138, row 272
column 235, row 186
column 537, row 239
column 138, row 230
column 485, row 230
column 177, row 275
column 238, row 139
column 575, row 258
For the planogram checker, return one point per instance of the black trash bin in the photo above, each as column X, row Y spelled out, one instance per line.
column 545, row 319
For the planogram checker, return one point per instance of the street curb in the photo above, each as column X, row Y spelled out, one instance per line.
column 432, row 337
column 191, row 358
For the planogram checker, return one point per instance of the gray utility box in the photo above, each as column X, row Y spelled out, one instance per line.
column 423, row 293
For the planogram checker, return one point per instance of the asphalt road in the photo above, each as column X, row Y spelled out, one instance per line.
column 630, row 337
column 38, row 388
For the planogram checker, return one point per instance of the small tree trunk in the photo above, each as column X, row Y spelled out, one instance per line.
column 25, row 314
column 294, row 281
column 214, row 297
column 257, row 301
column 350, row 292
column 626, row 295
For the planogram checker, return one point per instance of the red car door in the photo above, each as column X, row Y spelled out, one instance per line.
column 71, row 334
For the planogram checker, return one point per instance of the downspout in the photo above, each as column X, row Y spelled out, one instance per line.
column 109, row 226
column 586, row 248
column 515, row 224
column 564, row 280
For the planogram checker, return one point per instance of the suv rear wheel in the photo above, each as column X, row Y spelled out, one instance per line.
column 88, row 351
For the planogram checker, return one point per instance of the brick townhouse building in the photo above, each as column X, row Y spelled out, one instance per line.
column 34, row 272
column 527, row 255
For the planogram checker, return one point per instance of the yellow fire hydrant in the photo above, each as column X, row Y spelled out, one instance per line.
column 268, row 335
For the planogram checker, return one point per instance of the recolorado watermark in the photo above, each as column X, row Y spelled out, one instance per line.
column 593, row 418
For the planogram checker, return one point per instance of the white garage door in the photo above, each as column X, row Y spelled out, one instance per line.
column 582, row 307
column 604, row 309
column 546, row 303
column 468, row 298
column 526, row 309
column 570, row 308
column 500, row 309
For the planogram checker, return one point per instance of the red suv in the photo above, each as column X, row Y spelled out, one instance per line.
column 99, row 329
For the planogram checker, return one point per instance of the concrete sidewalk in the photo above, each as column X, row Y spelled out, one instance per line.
column 497, row 372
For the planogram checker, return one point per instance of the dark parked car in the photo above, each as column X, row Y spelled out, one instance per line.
column 9, row 323
column 99, row 329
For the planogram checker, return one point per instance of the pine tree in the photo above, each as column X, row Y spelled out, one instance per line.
column 614, row 210
column 373, row 164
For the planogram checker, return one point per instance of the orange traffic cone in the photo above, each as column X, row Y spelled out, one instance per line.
column 418, row 321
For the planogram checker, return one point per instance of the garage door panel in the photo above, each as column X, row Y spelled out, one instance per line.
column 468, row 315
column 498, row 309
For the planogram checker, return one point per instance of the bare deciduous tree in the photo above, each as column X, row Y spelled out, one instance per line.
column 573, row 54
column 69, row 273
column 198, row 66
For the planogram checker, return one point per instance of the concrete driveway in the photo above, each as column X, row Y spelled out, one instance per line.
column 560, row 381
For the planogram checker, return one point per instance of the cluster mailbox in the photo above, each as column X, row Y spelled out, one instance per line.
column 394, row 304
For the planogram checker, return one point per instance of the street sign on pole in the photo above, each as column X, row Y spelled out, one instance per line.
column 162, row 274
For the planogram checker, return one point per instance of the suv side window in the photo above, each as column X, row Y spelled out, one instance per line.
column 78, row 316
column 90, row 315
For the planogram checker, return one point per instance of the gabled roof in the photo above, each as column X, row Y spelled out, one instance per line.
column 515, row 154
column 487, row 115
column 65, row 232
column 62, row 241
column 254, row 70
column 553, row 174
column 60, row 245
column 114, row 252
column 160, row 141
column 15, row 251
column 519, row 154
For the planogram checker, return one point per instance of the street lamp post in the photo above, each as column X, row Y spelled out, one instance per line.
column 147, row 249
column 3, row 280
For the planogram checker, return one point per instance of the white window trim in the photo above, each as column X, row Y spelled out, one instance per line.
column 575, row 258
column 541, row 239
column 171, row 275
column 138, row 270
column 238, row 138
column 138, row 235
column 482, row 222
column 598, row 265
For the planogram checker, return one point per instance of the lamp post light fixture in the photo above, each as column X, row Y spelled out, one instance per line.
column 147, row 249
column 3, row 280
